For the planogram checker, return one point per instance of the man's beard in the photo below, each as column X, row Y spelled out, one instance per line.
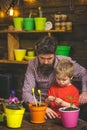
column 45, row 69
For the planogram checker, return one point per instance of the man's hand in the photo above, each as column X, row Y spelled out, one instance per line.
column 50, row 113
column 83, row 98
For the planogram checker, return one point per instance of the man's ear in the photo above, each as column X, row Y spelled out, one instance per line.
column 71, row 77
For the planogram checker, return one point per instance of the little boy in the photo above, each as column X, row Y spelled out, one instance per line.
column 63, row 93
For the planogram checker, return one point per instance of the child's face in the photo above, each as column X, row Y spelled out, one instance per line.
column 63, row 80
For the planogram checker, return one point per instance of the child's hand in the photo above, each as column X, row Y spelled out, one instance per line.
column 51, row 98
column 58, row 100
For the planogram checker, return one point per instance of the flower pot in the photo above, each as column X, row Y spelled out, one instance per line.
column 28, row 24
column 37, row 113
column 63, row 50
column 14, row 117
column 18, row 23
column 40, row 23
column 19, row 54
column 2, row 115
column 69, row 118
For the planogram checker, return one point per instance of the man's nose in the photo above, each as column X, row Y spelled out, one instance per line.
column 46, row 61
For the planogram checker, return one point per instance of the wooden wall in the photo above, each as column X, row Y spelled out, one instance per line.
column 77, row 39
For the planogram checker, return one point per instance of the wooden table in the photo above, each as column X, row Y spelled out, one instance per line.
column 50, row 124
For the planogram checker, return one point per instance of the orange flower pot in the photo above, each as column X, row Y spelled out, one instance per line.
column 37, row 113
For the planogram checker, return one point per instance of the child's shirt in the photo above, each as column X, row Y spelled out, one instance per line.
column 63, row 93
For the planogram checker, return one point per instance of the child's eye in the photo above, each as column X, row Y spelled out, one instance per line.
column 64, row 79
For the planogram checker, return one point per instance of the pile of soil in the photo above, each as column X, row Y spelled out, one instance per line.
column 13, row 106
column 38, row 105
column 70, row 109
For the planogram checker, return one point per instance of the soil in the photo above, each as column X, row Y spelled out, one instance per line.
column 14, row 106
column 39, row 105
column 70, row 109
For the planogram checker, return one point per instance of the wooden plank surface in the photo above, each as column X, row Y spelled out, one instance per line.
column 50, row 124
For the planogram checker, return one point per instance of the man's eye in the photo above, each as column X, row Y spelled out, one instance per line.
column 46, row 58
column 42, row 58
column 49, row 58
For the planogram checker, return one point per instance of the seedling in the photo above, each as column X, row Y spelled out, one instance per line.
column 71, row 98
column 33, row 93
column 71, row 103
column 40, row 94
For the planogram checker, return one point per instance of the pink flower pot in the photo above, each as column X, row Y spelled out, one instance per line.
column 69, row 118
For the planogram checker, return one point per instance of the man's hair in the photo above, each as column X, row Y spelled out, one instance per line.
column 65, row 68
column 46, row 45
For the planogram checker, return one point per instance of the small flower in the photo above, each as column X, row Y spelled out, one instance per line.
column 32, row 90
column 40, row 94
column 39, row 91
column 13, row 102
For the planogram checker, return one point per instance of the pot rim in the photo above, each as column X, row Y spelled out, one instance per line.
column 62, row 109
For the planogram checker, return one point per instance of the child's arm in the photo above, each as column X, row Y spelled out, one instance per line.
column 63, row 103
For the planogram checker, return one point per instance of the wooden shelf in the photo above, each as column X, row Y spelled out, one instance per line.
column 13, row 62
column 34, row 31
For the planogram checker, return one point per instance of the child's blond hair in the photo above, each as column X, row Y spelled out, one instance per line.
column 65, row 68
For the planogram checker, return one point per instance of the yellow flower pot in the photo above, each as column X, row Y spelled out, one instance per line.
column 14, row 117
column 19, row 54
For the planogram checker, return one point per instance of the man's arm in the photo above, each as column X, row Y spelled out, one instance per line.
column 83, row 95
column 29, row 83
column 81, row 73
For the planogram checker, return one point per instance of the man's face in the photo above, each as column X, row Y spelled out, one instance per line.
column 46, row 62
column 46, row 59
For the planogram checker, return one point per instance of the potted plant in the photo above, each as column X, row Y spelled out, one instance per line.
column 37, row 109
column 69, row 115
column 40, row 21
column 2, row 115
column 14, row 111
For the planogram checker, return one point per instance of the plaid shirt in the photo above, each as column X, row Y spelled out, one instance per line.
column 36, row 80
